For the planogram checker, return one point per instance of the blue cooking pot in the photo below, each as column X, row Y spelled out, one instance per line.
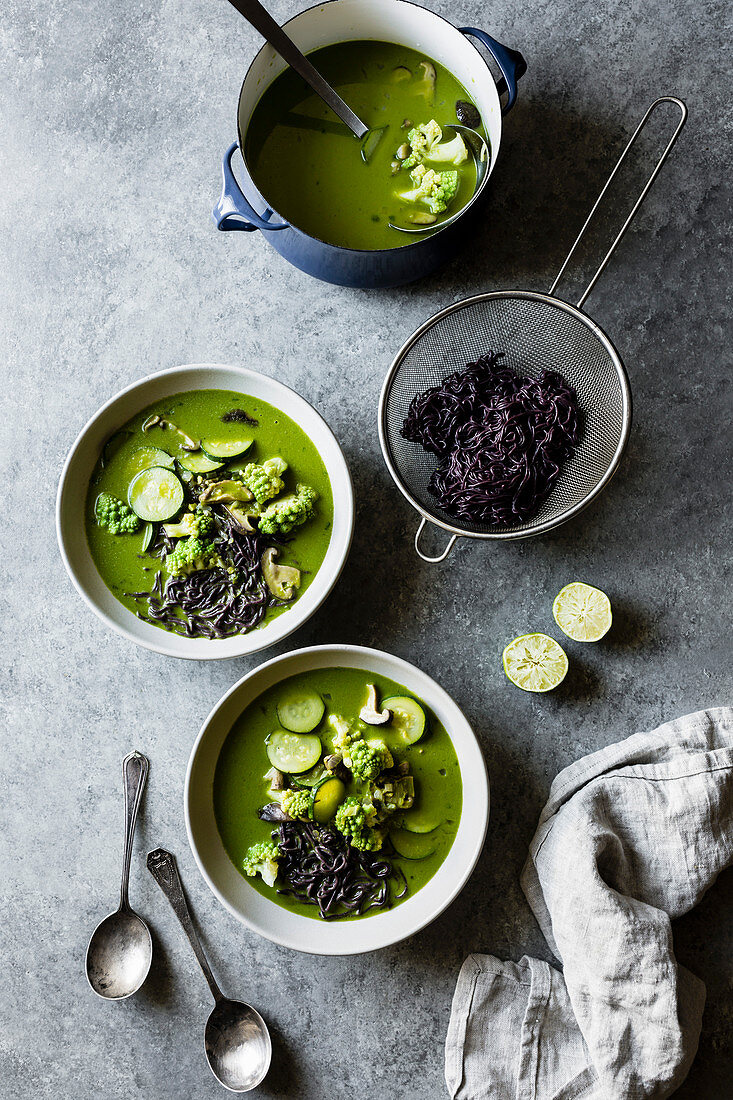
column 244, row 208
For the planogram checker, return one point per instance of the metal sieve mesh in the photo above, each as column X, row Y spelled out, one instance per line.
column 536, row 333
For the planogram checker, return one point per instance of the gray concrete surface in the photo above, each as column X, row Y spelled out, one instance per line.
column 114, row 120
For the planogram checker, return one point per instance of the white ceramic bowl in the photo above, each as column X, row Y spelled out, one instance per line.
column 291, row 929
column 78, row 470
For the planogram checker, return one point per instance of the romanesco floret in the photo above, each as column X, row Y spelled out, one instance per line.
column 261, row 859
column 425, row 144
column 190, row 555
column 264, row 482
column 343, row 735
column 295, row 803
column 116, row 516
column 353, row 822
column 367, row 759
column 291, row 511
column 199, row 523
column 434, row 189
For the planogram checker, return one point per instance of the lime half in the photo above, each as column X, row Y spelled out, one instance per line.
column 582, row 612
column 535, row 662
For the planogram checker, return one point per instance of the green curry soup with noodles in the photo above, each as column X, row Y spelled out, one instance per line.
column 129, row 562
column 308, row 165
column 413, row 839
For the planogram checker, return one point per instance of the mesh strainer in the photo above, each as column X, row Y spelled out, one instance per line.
column 536, row 332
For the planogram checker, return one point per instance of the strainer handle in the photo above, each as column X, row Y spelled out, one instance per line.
column 639, row 201
column 441, row 557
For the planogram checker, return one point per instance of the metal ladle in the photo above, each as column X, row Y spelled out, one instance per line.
column 120, row 949
column 237, row 1042
column 479, row 150
column 263, row 22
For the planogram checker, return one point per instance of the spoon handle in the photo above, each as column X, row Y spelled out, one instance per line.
column 162, row 867
column 134, row 773
column 263, row 22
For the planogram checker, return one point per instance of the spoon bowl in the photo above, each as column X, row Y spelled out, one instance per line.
column 119, row 955
column 238, row 1045
column 479, row 150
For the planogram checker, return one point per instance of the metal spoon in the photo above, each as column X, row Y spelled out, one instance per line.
column 236, row 1040
column 120, row 950
column 480, row 152
column 263, row 22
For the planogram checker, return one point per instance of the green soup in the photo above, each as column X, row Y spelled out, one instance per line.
column 308, row 166
column 241, row 787
column 127, row 570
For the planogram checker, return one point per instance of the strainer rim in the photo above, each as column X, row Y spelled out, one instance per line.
column 569, row 513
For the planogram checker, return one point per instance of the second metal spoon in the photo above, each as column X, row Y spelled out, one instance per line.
column 121, row 948
column 237, row 1042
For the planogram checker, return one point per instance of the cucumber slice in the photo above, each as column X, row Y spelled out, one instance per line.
column 408, row 721
column 326, row 800
column 148, row 533
column 196, row 462
column 411, row 845
column 226, row 448
column 300, row 710
column 155, row 495
column 144, row 458
column 293, row 752
column 420, row 821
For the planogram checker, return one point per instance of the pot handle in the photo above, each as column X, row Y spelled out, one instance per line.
column 511, row 63
column 440, row 557
column 233, row 211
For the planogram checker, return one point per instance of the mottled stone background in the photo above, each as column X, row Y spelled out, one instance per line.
column 114, row 119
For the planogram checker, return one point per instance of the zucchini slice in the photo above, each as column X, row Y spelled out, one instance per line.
column 225, row 449
column 155, row 495
column 143, row 458
column 411, row 845
column 300, row 709
column 312, row 778
column 420, row 821
column 293, row 753
column 196, row 462
column 326, row 800
column 408, row 721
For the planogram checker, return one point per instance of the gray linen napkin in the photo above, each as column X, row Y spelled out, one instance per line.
column 631, row 837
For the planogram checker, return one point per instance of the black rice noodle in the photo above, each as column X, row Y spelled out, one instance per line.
column 212, row 603
column 319, row 867
column 501, row 439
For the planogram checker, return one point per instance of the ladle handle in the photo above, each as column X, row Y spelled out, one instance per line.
column 657, row 168
column 425, row 557
column 263, row 22
column 134, row 773
column 162, row 867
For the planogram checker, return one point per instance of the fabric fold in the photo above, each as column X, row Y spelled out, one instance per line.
column 631, row 837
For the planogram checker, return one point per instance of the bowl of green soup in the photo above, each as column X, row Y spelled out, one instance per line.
column 205, row 512
column 336, row 800
column 336, row 208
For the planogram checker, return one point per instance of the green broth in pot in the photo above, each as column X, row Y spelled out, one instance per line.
column 308, row 165
column 241, row 786
column 120, row 559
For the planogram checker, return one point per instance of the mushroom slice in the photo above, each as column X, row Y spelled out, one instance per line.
column 187, row 444
column 369, row 712
column 241, row 518
column 226, row 492
column 277, row 779
column 282, row 580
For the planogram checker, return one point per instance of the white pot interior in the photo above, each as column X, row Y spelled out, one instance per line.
column 387, row 21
